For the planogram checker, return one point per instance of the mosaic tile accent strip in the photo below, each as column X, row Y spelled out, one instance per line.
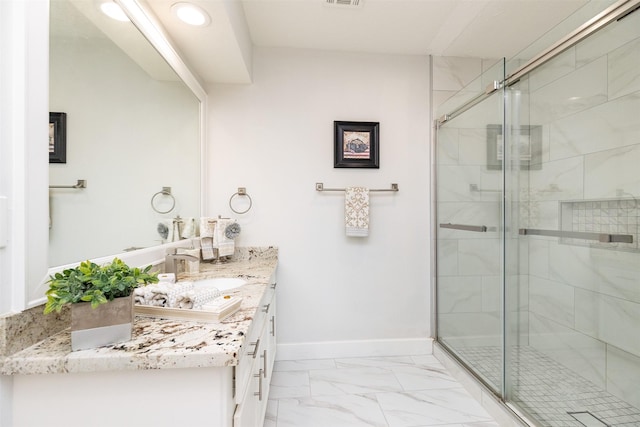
column 549, row 391
column 602, row 216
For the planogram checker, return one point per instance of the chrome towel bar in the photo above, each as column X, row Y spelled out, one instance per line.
column 320, row 187
column 82, row 183
column 465, row 227
column 600, row 237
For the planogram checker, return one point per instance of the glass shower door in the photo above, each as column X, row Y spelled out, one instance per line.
column 469, row 181
column 573, row 341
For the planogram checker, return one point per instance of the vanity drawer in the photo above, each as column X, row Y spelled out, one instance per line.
column 255, row 343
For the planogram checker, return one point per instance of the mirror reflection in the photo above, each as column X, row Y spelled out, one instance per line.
column 132, row 132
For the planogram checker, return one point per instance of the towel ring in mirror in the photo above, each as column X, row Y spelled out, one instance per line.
column 166, row 191
column 242, row 191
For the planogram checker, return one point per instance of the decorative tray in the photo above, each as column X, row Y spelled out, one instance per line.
column 215, row 311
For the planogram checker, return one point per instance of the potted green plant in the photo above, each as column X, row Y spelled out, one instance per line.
column 100, row 297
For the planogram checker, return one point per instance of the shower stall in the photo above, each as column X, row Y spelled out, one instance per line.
column 537, row 204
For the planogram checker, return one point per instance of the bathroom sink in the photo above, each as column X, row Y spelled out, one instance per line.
column 220, row 283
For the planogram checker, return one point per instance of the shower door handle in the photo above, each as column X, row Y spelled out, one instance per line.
column 465, row 227
column 600, row 237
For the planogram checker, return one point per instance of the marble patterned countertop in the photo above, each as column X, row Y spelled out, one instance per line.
column 163, row 343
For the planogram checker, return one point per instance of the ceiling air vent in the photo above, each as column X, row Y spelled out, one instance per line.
column 344, row 3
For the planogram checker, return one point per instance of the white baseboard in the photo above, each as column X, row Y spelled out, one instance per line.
column 361, row 348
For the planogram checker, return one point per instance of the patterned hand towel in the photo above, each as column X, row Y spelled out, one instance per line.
column 225, row 245
column 207, row 230
column 356, row 211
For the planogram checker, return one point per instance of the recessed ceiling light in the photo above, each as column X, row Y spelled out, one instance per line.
column 191, row 14
column 113, row 10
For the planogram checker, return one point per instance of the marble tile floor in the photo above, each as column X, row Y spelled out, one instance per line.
column 402, row 391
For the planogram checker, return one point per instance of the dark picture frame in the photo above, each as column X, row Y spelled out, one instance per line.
column 530, row 146
column 356, row 144
column 57, row 137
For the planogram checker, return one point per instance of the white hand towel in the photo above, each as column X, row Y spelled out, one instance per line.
column 356, row 211
column 188, row 228
column 225, row 245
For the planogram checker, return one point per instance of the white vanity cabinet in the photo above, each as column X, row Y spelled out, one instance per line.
column 255, row 366
column 163, row 378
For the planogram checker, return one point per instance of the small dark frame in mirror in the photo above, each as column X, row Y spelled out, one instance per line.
column 57, row 137
column 356, row 145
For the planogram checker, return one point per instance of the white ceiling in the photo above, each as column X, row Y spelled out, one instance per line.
column 221, row 52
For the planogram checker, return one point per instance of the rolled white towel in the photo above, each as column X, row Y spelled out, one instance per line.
column 160, row 294
column 195, row 298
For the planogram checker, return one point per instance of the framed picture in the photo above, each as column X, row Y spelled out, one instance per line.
column 57, row 137
column 356, row 145
column 528, row 145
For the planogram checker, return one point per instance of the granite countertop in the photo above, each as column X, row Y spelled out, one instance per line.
column 163, row 343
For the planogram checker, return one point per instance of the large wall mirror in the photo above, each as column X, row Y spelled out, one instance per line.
column 133, row 127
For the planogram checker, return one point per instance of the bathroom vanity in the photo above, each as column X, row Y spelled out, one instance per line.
column 172, row 373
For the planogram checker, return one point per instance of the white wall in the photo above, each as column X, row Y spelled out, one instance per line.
column 275, row 137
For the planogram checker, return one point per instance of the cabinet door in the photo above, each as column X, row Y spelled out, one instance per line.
column 247, row 412
column 252, row 402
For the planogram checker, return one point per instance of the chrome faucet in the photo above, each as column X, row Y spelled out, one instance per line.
column 171, row 261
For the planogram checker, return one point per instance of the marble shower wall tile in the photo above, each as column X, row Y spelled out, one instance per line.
column 470, row 329
column 552, row 300
column 539, row 257
column 491, row 289
column 578, row 91
column 613, row 273
column 606, row 126
column 566, row 175
column 608, row 39
column 479, row 257
column 447, row 153
column 459, row 294
column 473, row 147
column 608, row 172
column 612, row 320
column 454, row 180
column 560, row 66
column 542, row 214
column 624, row 69
column 582, row 354
column 623, row 375
column 447, row 257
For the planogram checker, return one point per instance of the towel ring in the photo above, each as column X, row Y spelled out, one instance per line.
column 242, row 191
column 166, row 191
